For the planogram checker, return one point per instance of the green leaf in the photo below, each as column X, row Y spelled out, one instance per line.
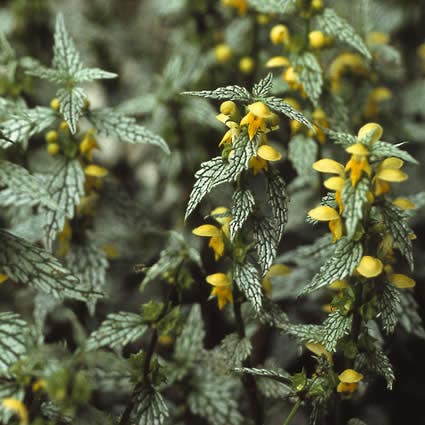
column 116, row 331
column 305, row 333
column 266, row 237
column 409, row 316
column 9, row 389
column 150, row 408
column 278, row 105
column 91, row 74
column 248, row 281
column 220, row 170
column 71, row 105
column 310, row 75
column 234, row 350
column 388, row 307
column 22, row 187
column 190, row 343
column 89, row 264
column 263, row 87
column 382, row 365
column 354, row 199
column 334, row 328
column 242, row 206
column 235, row 93
column 383, row 150
column 36, row 267
column 112, row 123
column 277, row 198
column 277, row 374
column 14, row 340
column 273, row 6
column 213, row 398
column 66, row 57
column 332, row 24
column 343, row 262
column 396, row 223
column 25, row 124
column 66, row 187
column 344, row 139
column 302, row 152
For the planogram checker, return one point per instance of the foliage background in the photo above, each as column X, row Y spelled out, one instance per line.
column 159, row 49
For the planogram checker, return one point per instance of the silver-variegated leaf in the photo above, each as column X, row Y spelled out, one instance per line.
column 150, row 408
column 310, row 75
column 235, row 93
column 112, row 123
column 332, row 24
column 273, row 6
column 334, row 328
column 117, row 330
column 66, row 187
column 263, row 87
column 248, row 281
column 343, row 262
column 242, row 206
column 71, row 105
column 33, row 266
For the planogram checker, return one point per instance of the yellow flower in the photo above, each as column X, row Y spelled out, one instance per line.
column 3, row 277
column 373, row 128
column 317, row 39
column 349, row 380
column 326, row 213
column 278, row 62
column 317, row 5
column 18, row 408
column 370, row 266
column 53, row 149
column 376, row 37
column 388, row 172
column 217, row 235
column 94, row 170
column 338, row 285
column 376, row 96
column 264, row 153
column 246, row 64
column 88, row 144
column 275, row 270
column 222, row 288
column 330, row 166
column 358, row 163
column 240, row 5
column 404, row 204
column 51, row 136
column 279, row 34
column 346, row 62
column 256, row 118
column 401, row 281
column 319, row 350
column 55, row 104
column 64, row 239
column 223, row 53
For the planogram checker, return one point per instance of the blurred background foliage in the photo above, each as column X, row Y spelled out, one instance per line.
column 159, row 49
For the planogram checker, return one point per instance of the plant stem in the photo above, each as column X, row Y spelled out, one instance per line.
column 293, row 412
column 248, row 381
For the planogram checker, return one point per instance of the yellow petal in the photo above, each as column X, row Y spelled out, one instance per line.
column 278, row 270
column 207, row 230
column 358, row 149
column 217, row 245
column 373, row 127
column 18, row 408
column 338, row 285
column 247, row 119
column 330, row 166
column 95, row 171
column 350, row 376
column 319, row 350
column 260, row 109
column 370, row 266
column 334, row 183
column 218, row 279
column 392, row 175
column 401, row 281
column 391, row 162
column 228, row 107
column 268, row 153
column 404, row 204
column 380, row 94
column 277, row 61
column 344, row 387
column 3, row 277
column 323, row 213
